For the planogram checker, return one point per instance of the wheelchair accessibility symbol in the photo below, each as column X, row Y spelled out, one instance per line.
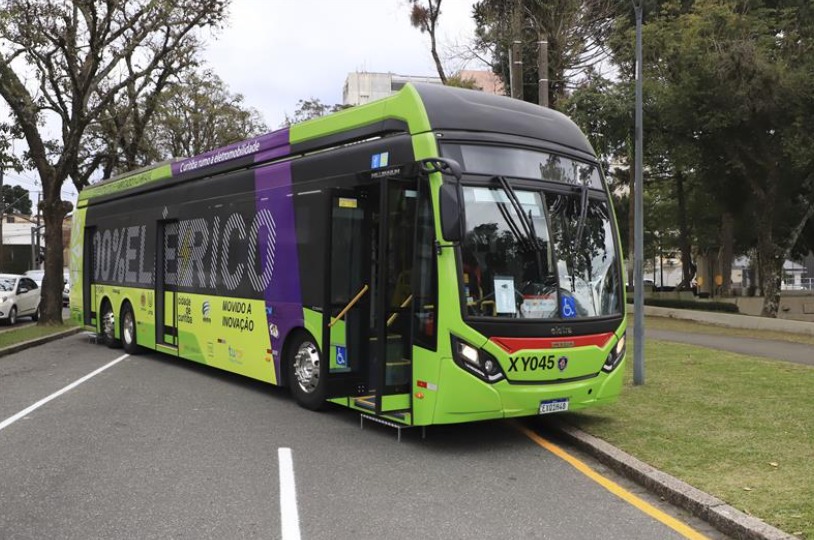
column 341, row 356
column 568, row 309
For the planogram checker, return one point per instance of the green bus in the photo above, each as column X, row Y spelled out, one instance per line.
column 438, row 256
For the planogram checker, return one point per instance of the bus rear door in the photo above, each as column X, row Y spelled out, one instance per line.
column 166, row 286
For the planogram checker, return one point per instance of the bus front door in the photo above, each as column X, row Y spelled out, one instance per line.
column 345, row 331
column 166, row 310
column 369, row 292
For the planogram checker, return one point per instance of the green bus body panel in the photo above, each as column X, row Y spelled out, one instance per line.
column 126, row 182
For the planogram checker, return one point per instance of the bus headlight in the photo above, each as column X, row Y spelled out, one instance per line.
column 476, row 361
column 615, row 355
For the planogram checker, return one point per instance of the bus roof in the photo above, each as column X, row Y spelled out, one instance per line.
column 416, row 108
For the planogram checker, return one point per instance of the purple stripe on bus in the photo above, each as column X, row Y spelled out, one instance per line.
column 251, row 147
column 283, row 297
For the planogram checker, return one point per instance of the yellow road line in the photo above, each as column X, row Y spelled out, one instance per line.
column 613, row 487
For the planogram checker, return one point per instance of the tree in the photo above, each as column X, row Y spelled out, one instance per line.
column 728, row 97
column 80, row 57
column 424, row 16
column 311, row 108
column 200, row 114
column 576, row 32
column 15, row 200
column 195, row 112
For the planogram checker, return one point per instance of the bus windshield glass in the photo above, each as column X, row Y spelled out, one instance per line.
column 523, row 163
column 538, row 255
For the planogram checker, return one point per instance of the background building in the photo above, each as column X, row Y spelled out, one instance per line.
column 363, row 87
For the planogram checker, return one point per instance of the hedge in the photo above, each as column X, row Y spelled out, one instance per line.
column 688, row 304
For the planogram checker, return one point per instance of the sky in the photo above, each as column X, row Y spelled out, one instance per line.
column 276, row 52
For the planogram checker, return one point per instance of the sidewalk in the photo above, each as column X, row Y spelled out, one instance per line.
column 799, row 353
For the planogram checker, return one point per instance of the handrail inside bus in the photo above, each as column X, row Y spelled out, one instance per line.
column 352, row 303
column 396, row 314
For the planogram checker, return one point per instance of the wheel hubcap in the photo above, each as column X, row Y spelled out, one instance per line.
column 128, row 329
column 107, row 324
column 306, row 367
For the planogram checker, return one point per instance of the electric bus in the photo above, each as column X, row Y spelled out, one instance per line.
column 438, row 256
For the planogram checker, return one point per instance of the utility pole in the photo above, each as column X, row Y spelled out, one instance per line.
column 542, row 68
column 638, row 226
column 516, row 59
column 2, row 215
column 38, row 228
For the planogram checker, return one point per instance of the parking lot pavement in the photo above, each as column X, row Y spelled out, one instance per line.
column 157, row 447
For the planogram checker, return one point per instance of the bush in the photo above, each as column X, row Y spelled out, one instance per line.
column 725, row 307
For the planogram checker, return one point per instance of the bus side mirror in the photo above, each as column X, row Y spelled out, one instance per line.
column 452, row 218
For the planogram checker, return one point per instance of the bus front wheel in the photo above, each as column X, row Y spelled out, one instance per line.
column 304, row 376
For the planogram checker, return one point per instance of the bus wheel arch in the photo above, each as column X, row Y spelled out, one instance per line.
column 302, row 361
column 127, row 328
column 107, row 324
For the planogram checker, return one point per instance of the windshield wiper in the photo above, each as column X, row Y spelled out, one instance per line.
column 583, row 215
column 528, row 227
column 525, row 220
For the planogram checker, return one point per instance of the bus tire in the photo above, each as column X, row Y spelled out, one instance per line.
column 304, row 371
column 128, row 329
column 108, row 326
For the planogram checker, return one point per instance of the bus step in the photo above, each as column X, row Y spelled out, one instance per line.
column 384, row 422
column 369, row 403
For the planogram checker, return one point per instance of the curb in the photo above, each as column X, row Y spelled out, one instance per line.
column 714, row 511
column 17, row 347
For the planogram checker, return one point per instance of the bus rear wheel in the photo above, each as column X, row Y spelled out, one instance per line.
column 128, row 330
column 304, row 372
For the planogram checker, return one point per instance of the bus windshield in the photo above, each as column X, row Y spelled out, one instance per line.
column 538, row 255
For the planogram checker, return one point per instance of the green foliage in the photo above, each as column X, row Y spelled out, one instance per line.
column 200, row 113
column 461, row 82
column 16, row 200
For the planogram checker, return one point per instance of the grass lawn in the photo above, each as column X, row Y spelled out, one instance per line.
column 18, row 335
column 737, row 427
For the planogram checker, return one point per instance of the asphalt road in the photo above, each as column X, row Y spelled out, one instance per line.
column 154, row 447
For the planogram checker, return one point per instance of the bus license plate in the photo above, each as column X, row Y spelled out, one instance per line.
column 553, row 405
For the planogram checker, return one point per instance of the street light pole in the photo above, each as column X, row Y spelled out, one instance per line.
column 638, row 217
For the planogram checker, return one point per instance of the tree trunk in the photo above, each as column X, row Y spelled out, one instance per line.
column 684, row 245
column 771, row 273
column 727, row 252
column 54, row 212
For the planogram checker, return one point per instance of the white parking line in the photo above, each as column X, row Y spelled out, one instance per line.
column 8, row 421
column 288, row 496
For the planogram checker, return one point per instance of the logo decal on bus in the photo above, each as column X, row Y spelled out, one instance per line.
column 201, row 253
column 379, row 160
column 562, row 363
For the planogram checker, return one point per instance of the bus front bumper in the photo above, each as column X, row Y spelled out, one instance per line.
column 465, row 398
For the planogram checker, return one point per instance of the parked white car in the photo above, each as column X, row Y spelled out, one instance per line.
column 19, row 297
column 38, row 275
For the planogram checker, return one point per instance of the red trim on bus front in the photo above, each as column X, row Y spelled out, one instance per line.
column 512, row 345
